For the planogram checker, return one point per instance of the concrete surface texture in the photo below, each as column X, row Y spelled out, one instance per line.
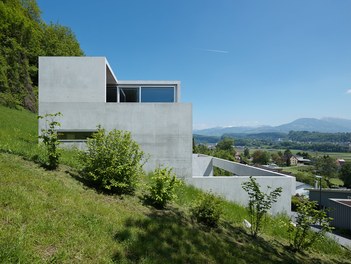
column 230, row 187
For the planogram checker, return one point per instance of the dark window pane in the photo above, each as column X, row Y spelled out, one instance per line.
column 157, row 94
column 128, row 95
column 111, row 94
column 74, row 135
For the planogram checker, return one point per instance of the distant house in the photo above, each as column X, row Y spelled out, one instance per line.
column 340, row 162
column 298, row 160
column 293, row 160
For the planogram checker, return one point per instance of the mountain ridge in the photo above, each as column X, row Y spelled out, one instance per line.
column 323, row 125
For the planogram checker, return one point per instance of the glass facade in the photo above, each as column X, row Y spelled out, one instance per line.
column 157, row 94
column 143, row 94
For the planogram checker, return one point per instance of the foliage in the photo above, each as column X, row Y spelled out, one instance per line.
column 207, row 209
column 278, row 158
column 226, row 144
column 295, row 200
column 260, row 157
column 259, row 203
column 345, row 174
column 301, row 237
column 300, row 140
column 36, row 229
column 24, row 36
column 112, row 161
column 50, row 139
column 162, row 187
column 247, row 153
column 287, row 155
column 327, row 167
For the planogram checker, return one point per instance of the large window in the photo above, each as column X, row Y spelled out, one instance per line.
column 157, row 94
column 147, row 94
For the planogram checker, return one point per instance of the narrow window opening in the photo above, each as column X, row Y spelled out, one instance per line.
column 74, row 135
column 111, row 94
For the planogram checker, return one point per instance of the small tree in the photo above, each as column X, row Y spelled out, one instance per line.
column 207, row 209
column 113, row 161
column 300, row 235
column 260, row 157
column 162, row 187
column 259, row 203
column 287, row 156
column 50, row 139
column 345, row 174
column 327, row 167
column 247, row 153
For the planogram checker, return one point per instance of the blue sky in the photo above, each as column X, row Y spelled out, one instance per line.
column 247, row 62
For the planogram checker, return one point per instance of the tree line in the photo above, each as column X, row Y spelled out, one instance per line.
column 323, row 165
column 301, row 140
column 24, row 36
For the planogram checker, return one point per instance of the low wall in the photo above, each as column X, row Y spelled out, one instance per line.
column 230, row 187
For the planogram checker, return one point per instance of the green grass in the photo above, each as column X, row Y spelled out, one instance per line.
column 51, row 216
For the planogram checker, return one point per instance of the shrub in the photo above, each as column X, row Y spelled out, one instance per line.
column 50, row 140
column 207, row 210
column 295, row 200
column 259, row 203
column 300, row 235
column 113, row 161
column 162, row 187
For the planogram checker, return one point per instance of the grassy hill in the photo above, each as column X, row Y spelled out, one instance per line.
column 51, row 216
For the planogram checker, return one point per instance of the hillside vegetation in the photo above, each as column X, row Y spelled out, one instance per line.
column 52, row 216
column 24, row 36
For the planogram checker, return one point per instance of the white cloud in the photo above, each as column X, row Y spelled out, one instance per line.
column 348, row 91
column 216, row 51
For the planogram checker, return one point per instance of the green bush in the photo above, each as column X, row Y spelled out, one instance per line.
column 113, row 161
column 259, row 203
column 162, row 187
column 300, row 235
column 207, row 209
column 295, row 200
column 50, row 140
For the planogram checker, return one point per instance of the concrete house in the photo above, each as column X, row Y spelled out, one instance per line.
column 87, row 92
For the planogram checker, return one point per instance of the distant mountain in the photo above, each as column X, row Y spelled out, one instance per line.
column 324, row 125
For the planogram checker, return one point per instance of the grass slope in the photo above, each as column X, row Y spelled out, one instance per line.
column 50, row 216
column 53, row 217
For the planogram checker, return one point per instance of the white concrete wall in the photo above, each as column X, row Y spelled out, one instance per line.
column 202, row 165
column 230, row 187
column 72, row 79
column 163, row 130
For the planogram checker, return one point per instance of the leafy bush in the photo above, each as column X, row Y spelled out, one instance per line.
column 259, row 203
column 162, row 187
column 50, row 140
column 207, row 209
column 295, row 200
column 113, row 161
column 301, row 237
